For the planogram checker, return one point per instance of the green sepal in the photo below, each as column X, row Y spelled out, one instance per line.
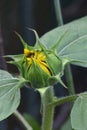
column 15, row 57
column 25, row 45
column 25, row 68
column 17, row 60
column 37, row 77
column 56, row 79
column 54, row 62
column 38, row 44
column 21, row 62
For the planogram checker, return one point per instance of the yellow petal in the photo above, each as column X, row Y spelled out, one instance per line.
column 26, row 52
column 39, row 58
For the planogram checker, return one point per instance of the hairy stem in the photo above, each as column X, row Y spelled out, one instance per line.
column 60, row 101
column 22, row 120
column 68, row 72
column 48, row 111
column 58, row 12
column 69, row 80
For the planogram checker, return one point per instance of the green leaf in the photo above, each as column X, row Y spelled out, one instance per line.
column 55, row 46
column 79, row 113
column 66, row 125
column 76, row 51
column 9, row 94
column 73, row 45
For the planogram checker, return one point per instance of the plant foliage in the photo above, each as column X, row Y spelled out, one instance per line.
column 9, row 94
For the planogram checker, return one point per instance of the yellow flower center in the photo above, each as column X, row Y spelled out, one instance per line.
column 39, row 58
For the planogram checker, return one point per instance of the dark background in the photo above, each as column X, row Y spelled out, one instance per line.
column 16, row 15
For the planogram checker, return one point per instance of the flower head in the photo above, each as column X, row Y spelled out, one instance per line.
column 38, row 65
column 39, row 58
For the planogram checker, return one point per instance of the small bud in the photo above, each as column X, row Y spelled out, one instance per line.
column 38, row 65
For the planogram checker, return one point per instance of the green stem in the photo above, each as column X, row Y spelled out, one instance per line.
column 58, row 12
column 48, row 111
column 63, row 100
column 68, row 73
column 22, row 120
column 69, row 80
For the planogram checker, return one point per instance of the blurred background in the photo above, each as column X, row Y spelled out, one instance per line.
column 40, row 15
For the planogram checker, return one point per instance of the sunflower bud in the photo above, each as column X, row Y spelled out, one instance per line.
column 35, row 68
column 38, row 65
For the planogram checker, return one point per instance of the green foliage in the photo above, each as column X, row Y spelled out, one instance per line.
column 36, row 72
column 65, row 44
column 79, row 113
column 70, row 42
column 9, row 94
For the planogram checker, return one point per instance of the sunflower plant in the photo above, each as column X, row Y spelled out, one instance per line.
column 41, row 66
